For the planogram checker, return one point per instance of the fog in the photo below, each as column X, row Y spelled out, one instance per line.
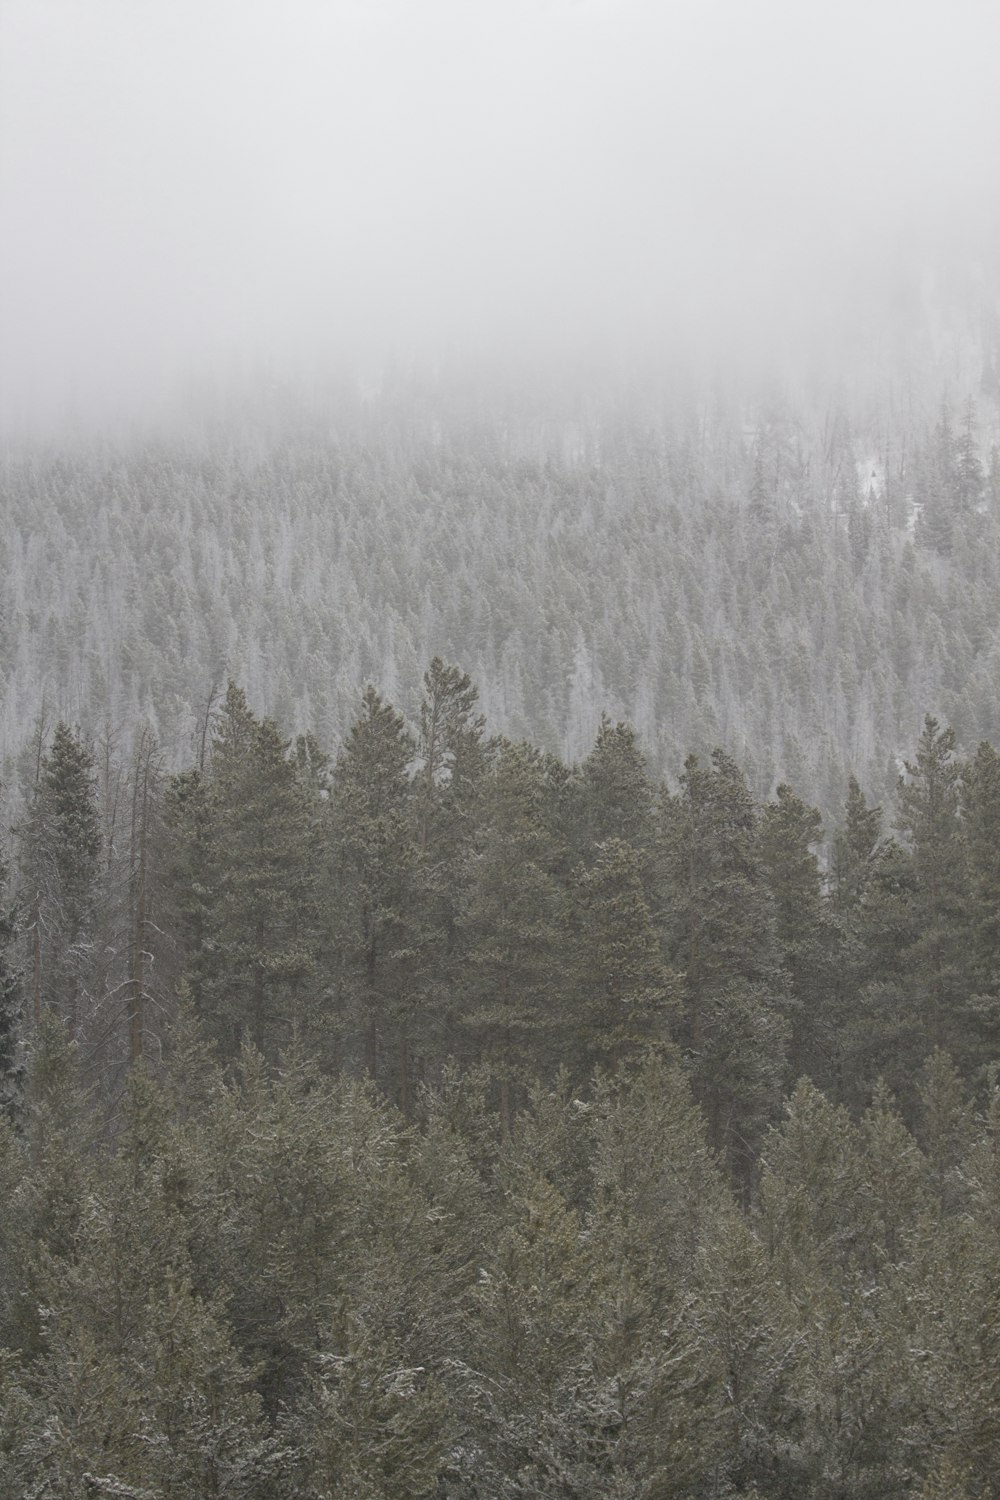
column 192, row 191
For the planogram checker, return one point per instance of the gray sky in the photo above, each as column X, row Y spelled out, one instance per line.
column 195, row 185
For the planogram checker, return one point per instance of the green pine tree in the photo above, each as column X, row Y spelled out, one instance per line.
column 928, row 808
column 60, row 842
column 374, row 858
column 446, row 797
column 509, row 988
column 624, row 996
column 980, row 798
column 11, row 1006
column 720, row 934
column 617, row 797
column 789, row 830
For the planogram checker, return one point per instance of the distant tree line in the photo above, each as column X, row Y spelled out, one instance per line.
column 785, row 576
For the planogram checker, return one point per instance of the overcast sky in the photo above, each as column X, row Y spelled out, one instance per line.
column 192, row 185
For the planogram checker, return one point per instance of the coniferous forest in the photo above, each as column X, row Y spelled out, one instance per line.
column 795, row 574
column 438, row 1118
column 499, row 750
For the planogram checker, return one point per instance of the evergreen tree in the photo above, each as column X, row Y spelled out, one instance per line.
column 946, row 1128
column 788, row 831
column 969, row 478
column 449, row 746
column 49, row 1174
column 820, row 1211
column 939, row 489
column 11, row 1005
column 242, row 867
column 374, row 858
column 858, row 887
column 658, row 1205
column 147, row 946
column 60, row 845
column 884, row 1033
column 624, row 995
column 617, row 798
column 980, row 796
column 721, row 936
column 854, row 847
column 262, row 868
column 928, row 815
column 446, row 796
column 190, row 878
column 510, row 979
column 371, row 1425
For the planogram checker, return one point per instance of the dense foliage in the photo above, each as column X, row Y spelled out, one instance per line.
column 781, row 574
column 442, row 1119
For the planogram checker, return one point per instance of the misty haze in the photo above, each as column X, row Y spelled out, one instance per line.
column 499, row 750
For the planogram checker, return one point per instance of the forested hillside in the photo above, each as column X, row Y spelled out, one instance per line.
column 437, row 1119
column 789, row 578
column 499, row 750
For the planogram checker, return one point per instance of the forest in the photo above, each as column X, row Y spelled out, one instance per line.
column 440, row 1117
column 786, row 571
column 499, row 750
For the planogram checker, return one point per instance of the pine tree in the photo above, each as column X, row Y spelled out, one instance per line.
column 189, row 878
column 49, row 1175
column 720, row 932
column 946, row 1132
column 658, row 1204
column 60, row 844
column 374, row 858
column 928, row 815
column 449, row 746
column 617, row 798
column 201, row 1417
column 624, row 996
column 939, row 489
column 446, row 797
column 144, row 902
column 980, row 796
column 854, row 847
column 524, row 1335
column 371, row 1424
column 827, row 1214
column 883, row 1033
column 788, row 831
column 510, row 938
column 11, row 1006
column 264, row 1172
column 259, row 936
column 969, row 478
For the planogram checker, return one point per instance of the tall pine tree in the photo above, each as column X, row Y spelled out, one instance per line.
column 59, row 849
